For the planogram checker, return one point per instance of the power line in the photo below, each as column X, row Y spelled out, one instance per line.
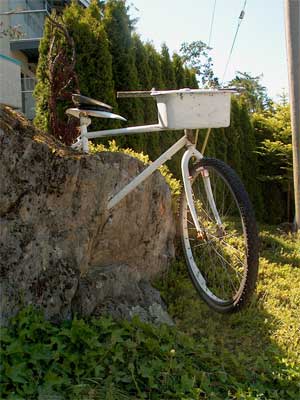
column 241, row 17
column 212, row 22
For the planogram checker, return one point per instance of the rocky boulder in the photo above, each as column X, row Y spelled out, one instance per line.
column 60, row 247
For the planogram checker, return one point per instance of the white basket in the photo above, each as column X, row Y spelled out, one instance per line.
column 192, row 109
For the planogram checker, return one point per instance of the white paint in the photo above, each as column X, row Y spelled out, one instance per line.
column 192, row 109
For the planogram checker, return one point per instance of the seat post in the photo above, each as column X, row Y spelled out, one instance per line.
column 84, row 123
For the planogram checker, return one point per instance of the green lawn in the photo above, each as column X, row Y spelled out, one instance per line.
column 253, row 355
column 259, row 347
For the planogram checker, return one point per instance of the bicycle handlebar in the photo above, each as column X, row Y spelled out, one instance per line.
column 134, row 94
column 147, row 93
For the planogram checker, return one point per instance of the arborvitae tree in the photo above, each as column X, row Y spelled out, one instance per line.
column 141, row 62
column 221, row 144
column 144, row 77
column 118, row 27
column 155, row 66
column 232, row 134
column 274, row 148
column 190, row 79
column 42, row 88
column 249, row 162
column 93, row 61
column 153, row 140
column 179, row 71
column 142, row 59
column 167, row 68
column 193, row 83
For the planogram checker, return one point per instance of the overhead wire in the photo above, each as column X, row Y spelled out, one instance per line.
column 212, row 23
column 241, row 17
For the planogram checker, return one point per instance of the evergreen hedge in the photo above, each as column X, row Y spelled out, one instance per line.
column 112, row 57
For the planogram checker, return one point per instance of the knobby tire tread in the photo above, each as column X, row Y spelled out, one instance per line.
column 251, row 235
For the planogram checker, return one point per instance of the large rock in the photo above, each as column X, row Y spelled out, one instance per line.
column 60, row 248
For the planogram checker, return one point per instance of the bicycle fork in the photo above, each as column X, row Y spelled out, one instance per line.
column 187, row 182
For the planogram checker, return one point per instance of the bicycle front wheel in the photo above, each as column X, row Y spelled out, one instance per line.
column 222, row 259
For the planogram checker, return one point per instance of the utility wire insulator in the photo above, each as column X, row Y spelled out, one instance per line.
column 242, row 14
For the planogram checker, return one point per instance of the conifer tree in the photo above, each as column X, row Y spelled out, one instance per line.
column 167, row 69
column 275, row 169
column 150, row 142
column 190, row 79
column 144, row 78
column 179, row 71
column 232, row 134
column 155, row 66
column 119, row 30
column 155, row 140
column 249, row 162
column 93, row 61
column 42, row 88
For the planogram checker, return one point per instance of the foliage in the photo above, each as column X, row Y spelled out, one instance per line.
column 255, row 95
column 111, row 56
column 180, row 76
column 93, row 61
column 42, row 88
column 119, row 30
column 86, row 358
column 253, row 355
column 62, row 81
column 167, row 68
column 196, row 56
column 255, row 352
column 236, row 146
column 154, row 61
column 274, row 147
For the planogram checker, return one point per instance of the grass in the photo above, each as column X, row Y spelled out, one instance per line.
column 259, row 347
column 252, row 355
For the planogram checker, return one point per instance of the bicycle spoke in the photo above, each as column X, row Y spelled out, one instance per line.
column 221, row 252
column 227, row 244
column 225, row 269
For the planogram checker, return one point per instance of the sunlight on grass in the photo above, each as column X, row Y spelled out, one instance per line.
column 260, row 346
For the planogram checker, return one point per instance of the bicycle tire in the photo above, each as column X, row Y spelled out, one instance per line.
column 229, row 252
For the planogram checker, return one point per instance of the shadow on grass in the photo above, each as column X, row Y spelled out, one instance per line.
column 239, row 351
column 280, row 248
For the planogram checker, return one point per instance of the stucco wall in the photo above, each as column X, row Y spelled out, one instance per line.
column 10, row 82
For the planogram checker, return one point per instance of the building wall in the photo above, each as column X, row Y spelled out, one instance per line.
column 17, row 75
column 14, row 64
column 10, row 82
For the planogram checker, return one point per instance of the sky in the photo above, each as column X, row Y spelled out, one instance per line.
column 259, row 47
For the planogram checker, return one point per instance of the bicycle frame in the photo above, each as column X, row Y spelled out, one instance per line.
column 167, row 155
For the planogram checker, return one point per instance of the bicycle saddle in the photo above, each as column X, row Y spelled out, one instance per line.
column 86, row 103
column 94, row 108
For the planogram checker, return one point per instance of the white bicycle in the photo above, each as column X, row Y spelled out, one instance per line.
column 218, row 227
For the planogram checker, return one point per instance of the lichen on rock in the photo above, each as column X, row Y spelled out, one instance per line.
column 60, row 248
